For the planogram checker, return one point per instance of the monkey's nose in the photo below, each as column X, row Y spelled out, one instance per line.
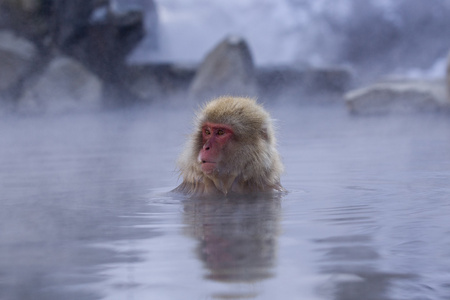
column 207, row 145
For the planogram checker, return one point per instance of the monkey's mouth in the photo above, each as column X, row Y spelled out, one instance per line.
column 208, row 166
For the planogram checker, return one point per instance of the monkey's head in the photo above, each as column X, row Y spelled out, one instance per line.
column 231, row 134
column 232, row 148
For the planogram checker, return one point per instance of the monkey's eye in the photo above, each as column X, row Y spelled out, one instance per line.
column 220, row 132
column 207, row 132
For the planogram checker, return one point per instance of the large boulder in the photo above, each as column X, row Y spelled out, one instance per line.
column 398, row 97
column 17, row 56
column 227, row 70
column 64, row 86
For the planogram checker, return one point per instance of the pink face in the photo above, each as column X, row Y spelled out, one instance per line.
column 215, row 137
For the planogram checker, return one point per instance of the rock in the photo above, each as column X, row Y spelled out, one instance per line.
column 158, row 81
column 227, row 70
column 64, row 86
column 398, row 97
column 293, row 81
column 98, row 36
column 17, row 56
column 277, row 79
column 327, row 80
column 94, row 32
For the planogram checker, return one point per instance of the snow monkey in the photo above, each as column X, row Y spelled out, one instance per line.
column 232, row 150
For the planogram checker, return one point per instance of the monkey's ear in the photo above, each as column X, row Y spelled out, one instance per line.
column 198, row 139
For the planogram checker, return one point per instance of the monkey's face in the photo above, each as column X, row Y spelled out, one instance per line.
column 215, row 139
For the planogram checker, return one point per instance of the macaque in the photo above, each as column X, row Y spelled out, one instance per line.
column 232, row 150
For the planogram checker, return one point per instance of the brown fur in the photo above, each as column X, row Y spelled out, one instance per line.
column 252, row 160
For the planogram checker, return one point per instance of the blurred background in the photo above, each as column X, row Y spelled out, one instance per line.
column 146, row 51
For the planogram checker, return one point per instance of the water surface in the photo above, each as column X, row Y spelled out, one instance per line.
column 85, row 211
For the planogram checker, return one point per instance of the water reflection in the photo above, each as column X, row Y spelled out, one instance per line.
column 237, row 238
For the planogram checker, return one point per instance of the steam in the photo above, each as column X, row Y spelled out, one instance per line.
column 309, row 33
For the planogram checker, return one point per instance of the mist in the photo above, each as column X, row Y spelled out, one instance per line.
column 403, row 37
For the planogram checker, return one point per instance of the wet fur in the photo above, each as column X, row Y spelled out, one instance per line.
column 255, row 167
